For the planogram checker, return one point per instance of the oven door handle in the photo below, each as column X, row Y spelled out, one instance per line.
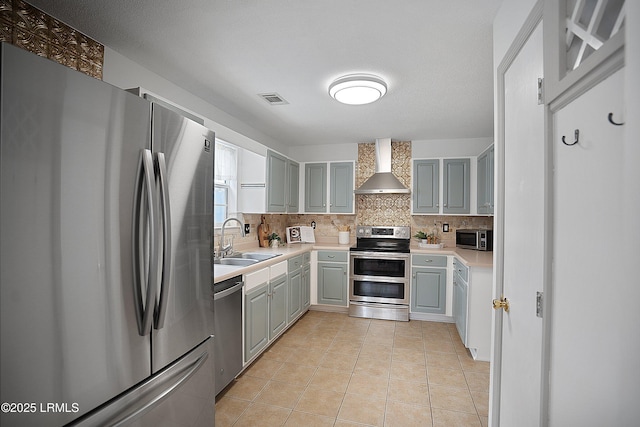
column 379, row 255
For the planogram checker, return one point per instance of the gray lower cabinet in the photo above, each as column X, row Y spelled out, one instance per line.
column 332, row 277
column 272, row 306
column 460, row 298
column 456, row 197
column 428, row 284
column 485, row 182
column 278, row 308
column 341, row 187
column 299, row 290
column 256, row 333
column 426, row 186
column 306, row 286
column 428, row 290
column 295, row 288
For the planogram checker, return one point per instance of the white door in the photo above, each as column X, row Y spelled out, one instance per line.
column 588, row 339
column 517, row 359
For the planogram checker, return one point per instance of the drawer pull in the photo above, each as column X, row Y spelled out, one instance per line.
column 331, row 256
column 428, row 260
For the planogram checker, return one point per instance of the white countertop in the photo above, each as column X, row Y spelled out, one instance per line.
column 222, row 272
column 469, row 257
column 284, row 252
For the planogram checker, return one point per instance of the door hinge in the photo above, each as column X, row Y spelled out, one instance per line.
column 539, row 304
column 540, row 91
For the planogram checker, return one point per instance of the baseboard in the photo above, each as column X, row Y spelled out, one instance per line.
column 329, row 308
column 428, row 317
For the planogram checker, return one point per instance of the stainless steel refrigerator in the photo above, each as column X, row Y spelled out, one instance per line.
column 106, row 287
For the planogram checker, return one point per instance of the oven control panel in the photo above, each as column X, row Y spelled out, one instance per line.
column 368, row 231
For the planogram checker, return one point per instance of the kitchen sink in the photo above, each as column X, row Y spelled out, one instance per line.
column 255, row 256
column 236, row 261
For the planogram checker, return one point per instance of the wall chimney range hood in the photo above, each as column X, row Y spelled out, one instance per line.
column 383, row 181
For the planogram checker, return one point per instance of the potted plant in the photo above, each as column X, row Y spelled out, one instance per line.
column 274, row 240
column 420, row 235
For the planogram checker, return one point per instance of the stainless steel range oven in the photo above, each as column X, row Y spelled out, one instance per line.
column 379, row 273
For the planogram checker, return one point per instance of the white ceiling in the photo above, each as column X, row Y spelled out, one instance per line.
column 436, row 56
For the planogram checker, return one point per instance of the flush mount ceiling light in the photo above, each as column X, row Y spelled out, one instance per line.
column 358, row 89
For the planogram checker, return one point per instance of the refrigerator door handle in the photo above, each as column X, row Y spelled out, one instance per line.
column 144, row 240
column 189, row 371
column 131, row 405
column 166, row 245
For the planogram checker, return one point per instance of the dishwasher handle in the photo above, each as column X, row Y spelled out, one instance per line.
column 227, row 292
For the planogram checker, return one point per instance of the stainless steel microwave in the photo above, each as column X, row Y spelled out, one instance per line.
column 479, row 240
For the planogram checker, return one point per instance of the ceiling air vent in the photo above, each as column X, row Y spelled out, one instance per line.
column 273, row 98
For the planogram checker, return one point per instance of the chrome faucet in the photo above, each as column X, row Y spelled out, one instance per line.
column 227, row 249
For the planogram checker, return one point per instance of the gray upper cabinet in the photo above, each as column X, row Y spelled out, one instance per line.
column 339, row 181
column 315, row 187
column 485, row 182
column 276, row 182
column 341, row 187
column 456, row 186
column 426, row 186
column 293, row 196
column 282, row 183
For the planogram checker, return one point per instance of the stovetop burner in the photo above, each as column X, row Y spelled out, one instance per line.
column 382, row 239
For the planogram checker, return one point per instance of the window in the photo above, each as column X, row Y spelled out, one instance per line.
column 225, row 182
column 220, row 203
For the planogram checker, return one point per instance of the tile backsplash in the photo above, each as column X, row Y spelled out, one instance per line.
column 371, row 209
column 384, row 209
column 327, row 226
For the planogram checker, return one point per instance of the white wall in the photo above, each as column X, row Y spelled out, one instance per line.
column 328, row 152
column 469, row 147
column 420, row 149
column 506, row 25
column 122, row 72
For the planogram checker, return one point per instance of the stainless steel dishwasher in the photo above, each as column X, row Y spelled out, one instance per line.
column 227, row 309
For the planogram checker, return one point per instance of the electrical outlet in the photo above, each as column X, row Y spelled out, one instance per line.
column 313, row 225
column 247, row 228
column 445, row 228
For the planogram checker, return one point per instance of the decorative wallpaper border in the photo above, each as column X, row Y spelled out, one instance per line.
column 33, row 30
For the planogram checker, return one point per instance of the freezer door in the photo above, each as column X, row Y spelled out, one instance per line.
column 182, row 394
column 69, row 147
column 184, row 313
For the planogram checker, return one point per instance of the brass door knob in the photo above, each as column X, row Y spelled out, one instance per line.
column 501, row 303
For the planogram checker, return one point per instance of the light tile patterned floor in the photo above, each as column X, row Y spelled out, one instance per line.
column 333, row 370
